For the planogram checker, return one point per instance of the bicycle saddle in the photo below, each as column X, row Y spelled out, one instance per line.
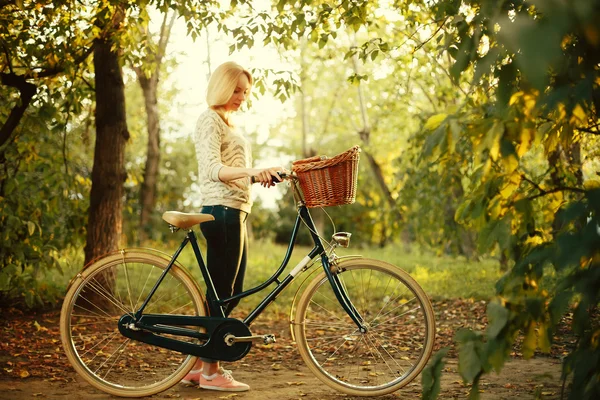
column 185, row 220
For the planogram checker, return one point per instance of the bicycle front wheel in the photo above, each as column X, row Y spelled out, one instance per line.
column 111, row 287
column 400, row 328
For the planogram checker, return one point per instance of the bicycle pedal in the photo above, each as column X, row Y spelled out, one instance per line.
column 269, row 339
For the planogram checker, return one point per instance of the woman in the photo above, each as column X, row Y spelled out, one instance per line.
column 224, row 174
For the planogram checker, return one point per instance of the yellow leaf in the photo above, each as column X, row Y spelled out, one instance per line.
column 495, row 208
column 492, row 139
column 528, row 103
column 529, row 343
column 579, row 113
column 525, row 144
column 544, row 340
column 591, row 184
column 23, row 374
column 511, row 185
column 510, row 162
column 514, row 98
column 434, row 121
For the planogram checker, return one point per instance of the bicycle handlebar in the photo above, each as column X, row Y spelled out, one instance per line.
column 282, row 175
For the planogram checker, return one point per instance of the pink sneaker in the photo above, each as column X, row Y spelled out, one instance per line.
column 193, row 377
column 223, row 381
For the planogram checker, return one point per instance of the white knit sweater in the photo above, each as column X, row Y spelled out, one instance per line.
column 218, row 145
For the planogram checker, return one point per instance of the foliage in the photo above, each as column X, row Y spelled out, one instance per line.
column 43, row 198
column 533, row 105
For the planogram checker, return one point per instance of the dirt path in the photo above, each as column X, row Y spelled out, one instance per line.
column 32, row 365
column 520, row 379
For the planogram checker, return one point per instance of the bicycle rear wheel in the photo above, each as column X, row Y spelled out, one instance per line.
column 397, row 344
column 99, row 296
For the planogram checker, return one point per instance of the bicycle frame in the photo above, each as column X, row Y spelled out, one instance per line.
column 134, row 326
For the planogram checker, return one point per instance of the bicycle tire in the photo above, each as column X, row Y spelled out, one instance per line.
column 400, row 336
column 99, row 296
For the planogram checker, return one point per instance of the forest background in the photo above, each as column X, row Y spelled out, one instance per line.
column 478, row 122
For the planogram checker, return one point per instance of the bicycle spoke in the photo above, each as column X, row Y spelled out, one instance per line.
column 100, row 290
column 397, row 316
column 327, row 324
column 377, row 346
column 107, row 315
column 331, row 313
column 109, row 337
column 119, row 353
column 139, row 299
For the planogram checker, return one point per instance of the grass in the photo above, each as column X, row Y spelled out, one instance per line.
column 441, row 277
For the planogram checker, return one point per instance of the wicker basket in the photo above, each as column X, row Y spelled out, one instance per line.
column 328, row 181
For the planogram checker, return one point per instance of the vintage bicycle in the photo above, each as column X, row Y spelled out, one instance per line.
column 134, row 322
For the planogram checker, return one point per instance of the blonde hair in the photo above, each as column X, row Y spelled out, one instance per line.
column 222, row 84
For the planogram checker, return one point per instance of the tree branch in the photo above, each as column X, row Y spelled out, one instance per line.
column 27, row 90
column 589, row 130
column 60, row 68
column 555, row 190
column 538, row 187
column 431, row 37
column 8, row 59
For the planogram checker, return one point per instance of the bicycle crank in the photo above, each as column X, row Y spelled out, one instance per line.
column 232, row 339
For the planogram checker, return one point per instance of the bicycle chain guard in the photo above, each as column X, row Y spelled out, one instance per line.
column 217, row 329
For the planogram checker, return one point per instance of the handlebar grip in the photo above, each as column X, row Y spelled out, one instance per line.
column 282, row 175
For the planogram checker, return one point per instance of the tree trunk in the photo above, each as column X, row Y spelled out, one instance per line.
column 108, row 173
column 149, row 86
column 148, row 190
column 365, row 134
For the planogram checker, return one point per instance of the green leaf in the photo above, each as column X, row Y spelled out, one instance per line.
column 492, row 232
column 463, row 58
column 497, row 351
column 559, row 305
column 497, row 319
column 431, row 376
column 469, row 363
column 30, row 227
column 435, row 141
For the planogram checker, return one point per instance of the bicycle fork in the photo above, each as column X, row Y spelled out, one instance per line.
column 342, row 295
